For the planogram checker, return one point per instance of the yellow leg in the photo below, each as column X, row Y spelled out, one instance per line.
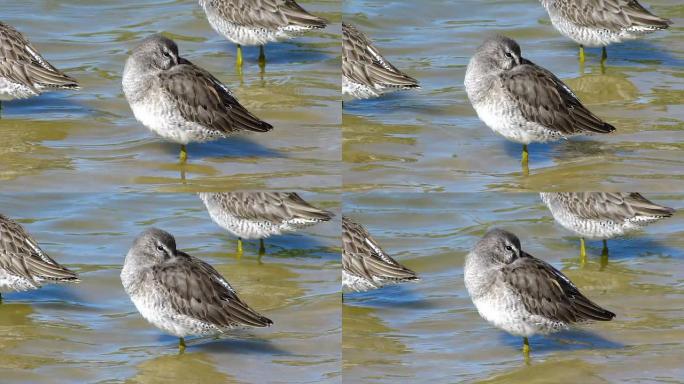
column 583, row 253
column 604, row 59
column 604, row 55
column 604, row 255
column 581, row 55
column 238, row 60
column 181, row 345
column 183, row 154
column 262, row 57
column 526, row 349
column 239, row 248
column 525, row 160
column 262, row 247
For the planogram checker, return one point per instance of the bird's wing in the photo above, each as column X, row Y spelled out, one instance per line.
column 546, row 100
column 202, row 99
column 196, row 289
column 276, row 207
column 615, row 206
column 546, row 292
column 362, row 256
column 614, row 15
column 21, row 63
column 21, row 255
column 269, row 14
column 363, row 63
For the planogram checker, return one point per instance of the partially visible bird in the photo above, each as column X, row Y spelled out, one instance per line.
column 603, row 215
column 598, row 23
column 521, row 294
column 23, row 264
column 23, row 71
column 365, row 265
column 522, row 101
column 257, row 22
column 365, row 72
column 180, row 101
column 258, row 215
column 181, row 294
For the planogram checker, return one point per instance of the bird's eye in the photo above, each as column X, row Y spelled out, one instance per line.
column 509, row 248
column 160, row 248
column 509, row 55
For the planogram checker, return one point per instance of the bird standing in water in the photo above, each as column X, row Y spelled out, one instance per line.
column 180, row 101
column 258, row 22
column 522, row 101
column 598, row 23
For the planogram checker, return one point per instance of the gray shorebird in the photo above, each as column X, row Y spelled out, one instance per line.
column 602, row 215
column 181, row 294
column 365, row 72
column 180, row 101
column 522, row 101
column 521, row 294
column 258, row 215
column 257, row 22
column 23, row 71
column 598, row 23
column 23, row 264
column 365, row 265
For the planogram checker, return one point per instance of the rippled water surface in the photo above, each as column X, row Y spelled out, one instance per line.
column 91, row 332
column 90, row 138
column 431, row 332
column 432, row 139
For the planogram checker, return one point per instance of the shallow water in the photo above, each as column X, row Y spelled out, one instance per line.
column 91, row 332
column 432, row 140
column 431, row 332
column 90, row 138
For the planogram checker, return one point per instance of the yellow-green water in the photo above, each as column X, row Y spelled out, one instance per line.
column 431, row 332
column 90, row 139
column 432, row 140
column 428, row 140
column 91, row 332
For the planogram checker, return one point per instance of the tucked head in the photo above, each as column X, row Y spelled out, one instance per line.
column 154, row 246
column 499, row 247
column 500, row 51
column 157, row 51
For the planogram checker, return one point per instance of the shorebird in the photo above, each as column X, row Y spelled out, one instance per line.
column 257, row 22
column 23, row 264
column 602, row 215
column 597, row 23
column 522, row 101
column 180, row 101
column 521, row 294
column 23, row 71
column 258, row 215
column 181, row 294
column 365, row 265
column 365, row 72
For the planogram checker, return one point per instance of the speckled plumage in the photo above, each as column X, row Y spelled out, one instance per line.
column 603, row 215
column 23, row 71
column 180, row 101
column 365, row 72
column 258, row 215
column 521, row 294
column 598, row 23
column 365, row 265
column 181, row 294
column 522, row 101
column 257, row 22
column 23, row 264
